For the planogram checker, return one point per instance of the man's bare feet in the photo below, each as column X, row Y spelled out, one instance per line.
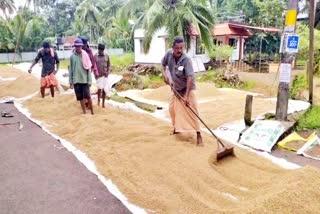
column 200, row 144
column 173, row 132
column 199, row 139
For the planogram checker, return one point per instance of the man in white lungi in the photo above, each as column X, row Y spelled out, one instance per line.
column 103, row 68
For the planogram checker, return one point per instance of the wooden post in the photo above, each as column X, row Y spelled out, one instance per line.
column 260, row 53
column 240, row 53
column 240, row 48
column 311, row 50
column 283, row 89
column 248, row 110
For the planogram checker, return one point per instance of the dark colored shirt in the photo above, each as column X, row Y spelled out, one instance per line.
column 103, row 65
column 48, row 62
column 179, row 70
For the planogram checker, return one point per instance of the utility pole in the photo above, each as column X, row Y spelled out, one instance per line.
column 288, row 49
column 311, row 49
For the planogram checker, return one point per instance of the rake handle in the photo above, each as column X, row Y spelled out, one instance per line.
column 194, row 112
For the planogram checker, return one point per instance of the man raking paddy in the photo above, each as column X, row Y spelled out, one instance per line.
column 181, row 78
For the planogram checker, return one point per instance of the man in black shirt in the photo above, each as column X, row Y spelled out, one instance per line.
column 49, row 58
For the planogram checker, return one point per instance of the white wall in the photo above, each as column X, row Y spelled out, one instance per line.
column 235, row 55
column 158, row 50
column 157, row 47
column 198, row 60
column 29, row 56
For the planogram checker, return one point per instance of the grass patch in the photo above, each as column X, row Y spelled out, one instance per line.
column 135, row 81
column 299, row 84
column 248, row 85
column 208, row 76
column 117, row 62
column 310, row 120
column 301, row 63
column 64, row 63
column 153, row 81
column 122, row 60
column 219, row 81
column 211, row 77
column 143, row 106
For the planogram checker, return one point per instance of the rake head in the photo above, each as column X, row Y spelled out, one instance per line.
column 225, row 151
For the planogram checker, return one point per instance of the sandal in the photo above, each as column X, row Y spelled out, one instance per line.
column 6, row 114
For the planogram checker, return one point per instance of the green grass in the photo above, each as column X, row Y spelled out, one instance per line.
column 213, row 77
column 208, row 76
column 301, row 62
column 64, row 64
column 248, row 85
column 117, row 62
column 152, row 81
column 143, row 106
column 123, row 60
column 156, row 79
column 310, row 120
column 299, row 83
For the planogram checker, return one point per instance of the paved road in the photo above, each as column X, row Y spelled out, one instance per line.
column 37, row 175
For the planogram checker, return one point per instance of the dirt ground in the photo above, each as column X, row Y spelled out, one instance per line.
column 216, row 106
column 267, row 84
column 169, row 174
column 24, row 85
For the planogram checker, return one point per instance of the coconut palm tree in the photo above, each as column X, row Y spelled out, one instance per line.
column 32, row 36
column 37, row 4
column 6, row 36
column 18, row 26
column 109, row 12
column 119, row 33
column 176, row 16
column 7, row 7
column 112, row 7
column 87, row 13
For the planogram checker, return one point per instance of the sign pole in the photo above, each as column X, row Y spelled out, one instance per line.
column 286, row 59
column 311, row 50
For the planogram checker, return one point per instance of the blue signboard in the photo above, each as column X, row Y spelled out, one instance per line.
column 292, row 44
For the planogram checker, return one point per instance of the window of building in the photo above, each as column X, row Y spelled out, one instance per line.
column 199, row 46
column 233, row 42
column 141, row 45
column 215, row 41
column 166, row 43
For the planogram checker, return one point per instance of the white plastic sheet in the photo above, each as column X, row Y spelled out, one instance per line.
column 311, row 144
column 8, row 79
